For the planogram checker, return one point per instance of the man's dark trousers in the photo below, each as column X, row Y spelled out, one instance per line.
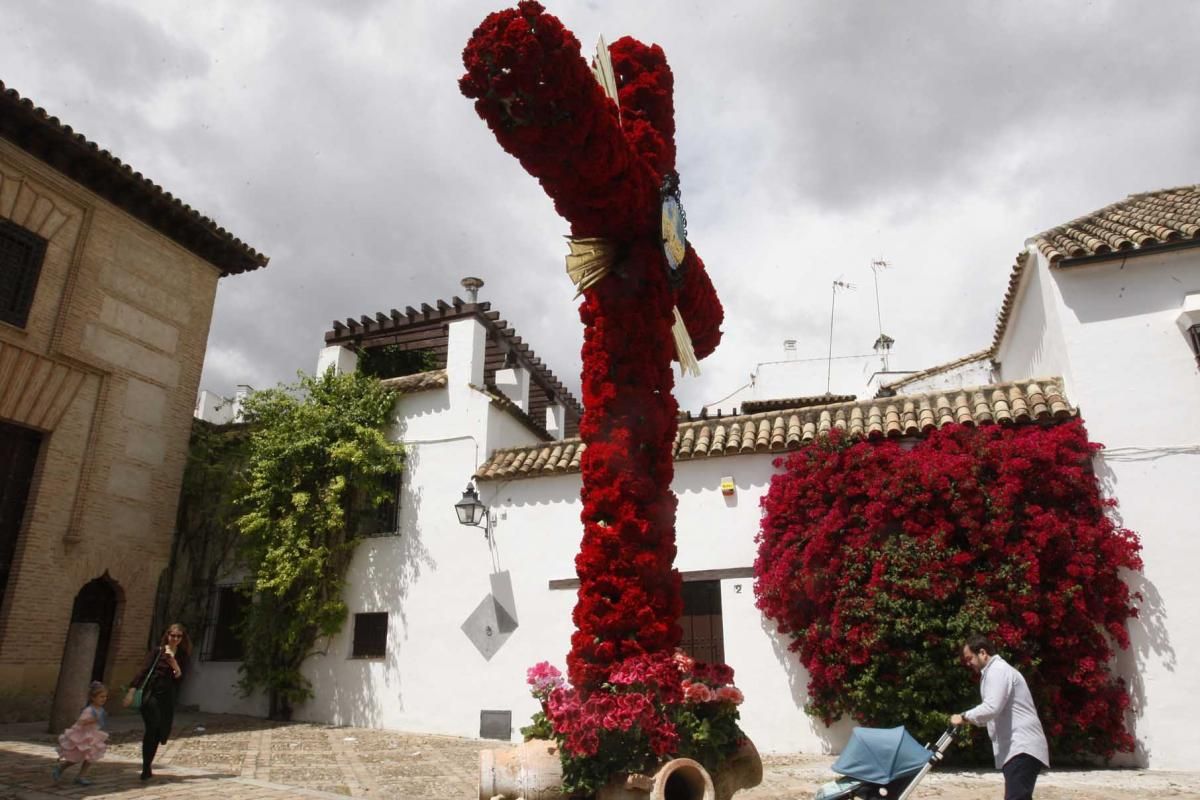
column 1020, row 775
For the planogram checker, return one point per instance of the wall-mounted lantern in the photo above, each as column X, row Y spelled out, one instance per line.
column 472, row 511
column 1189, row 322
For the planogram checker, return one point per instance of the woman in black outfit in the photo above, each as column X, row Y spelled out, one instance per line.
column 158, row 699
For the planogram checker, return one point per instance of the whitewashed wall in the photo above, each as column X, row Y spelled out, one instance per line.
column 1109, row 329
column 1033, row 344
column 974, row 373
column 434, row 575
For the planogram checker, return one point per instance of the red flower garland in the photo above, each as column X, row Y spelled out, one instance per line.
column 878, row 561
column 604, row 172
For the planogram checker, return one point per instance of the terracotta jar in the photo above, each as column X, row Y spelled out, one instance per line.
column 743, row 770
column 531, row 771
column 678, row 779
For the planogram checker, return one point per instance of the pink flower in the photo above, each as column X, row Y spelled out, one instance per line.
column 730, row 694
column 544, row 678
column 697, row 693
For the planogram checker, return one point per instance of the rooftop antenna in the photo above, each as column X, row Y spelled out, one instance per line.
column 883, row 345
column 789, row 349
column 838, row 284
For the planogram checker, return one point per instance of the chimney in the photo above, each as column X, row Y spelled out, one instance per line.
column 472, row 285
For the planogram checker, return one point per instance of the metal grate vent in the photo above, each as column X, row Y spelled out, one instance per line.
column 370, row 635
column 495, row 725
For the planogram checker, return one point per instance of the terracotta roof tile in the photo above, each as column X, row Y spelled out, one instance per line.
column 1019, row 402
column 1139, row 222
column 43, row 136
column 1010, row 299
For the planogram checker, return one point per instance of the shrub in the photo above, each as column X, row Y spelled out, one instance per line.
column 878, row 561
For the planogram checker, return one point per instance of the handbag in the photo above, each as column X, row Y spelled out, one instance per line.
column 137, row 693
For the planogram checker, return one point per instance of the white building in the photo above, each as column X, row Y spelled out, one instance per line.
column 445, row 619
column 212, row 407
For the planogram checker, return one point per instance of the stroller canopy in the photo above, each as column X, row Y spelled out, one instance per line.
column 880, row 755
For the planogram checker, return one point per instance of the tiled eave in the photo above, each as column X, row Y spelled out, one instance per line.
column 902, row 416
column 1140, row 222
column 43, row 136
column 779, row 404
column 1010, row 300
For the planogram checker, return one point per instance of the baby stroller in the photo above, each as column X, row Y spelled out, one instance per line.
column 883, row 762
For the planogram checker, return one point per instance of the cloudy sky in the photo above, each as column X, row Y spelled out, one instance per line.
column 813, row 138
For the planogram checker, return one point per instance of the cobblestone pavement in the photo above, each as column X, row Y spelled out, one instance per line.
column 219, row 757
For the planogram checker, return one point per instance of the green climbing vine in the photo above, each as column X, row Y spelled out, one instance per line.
column 315, row 450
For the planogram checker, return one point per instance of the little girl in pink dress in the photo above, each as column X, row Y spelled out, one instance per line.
column 84, row 742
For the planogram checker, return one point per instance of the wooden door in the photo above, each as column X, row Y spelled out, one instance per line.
column 18, row 457
column 703, row 635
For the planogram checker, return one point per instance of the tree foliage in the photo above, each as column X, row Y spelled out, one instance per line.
column 313, row 448
column 395, row 361
column 879, row 561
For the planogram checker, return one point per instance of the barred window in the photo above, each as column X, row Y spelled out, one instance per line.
column 230, row 609
column 381, row 520
column 21, row 254
column 370, row 635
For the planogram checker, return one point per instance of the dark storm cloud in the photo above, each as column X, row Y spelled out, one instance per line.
column 812, row 138
column 870, row 98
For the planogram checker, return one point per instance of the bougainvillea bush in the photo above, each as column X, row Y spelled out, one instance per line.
column 651, row 708
column 879, row 560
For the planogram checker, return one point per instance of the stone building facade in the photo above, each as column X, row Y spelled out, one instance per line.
column 107, row 286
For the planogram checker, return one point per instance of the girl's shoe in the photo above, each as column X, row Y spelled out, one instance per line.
column 146, row 775
column 83, row 781
column 56, row 773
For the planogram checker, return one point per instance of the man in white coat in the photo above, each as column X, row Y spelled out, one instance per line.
column 1007, row 710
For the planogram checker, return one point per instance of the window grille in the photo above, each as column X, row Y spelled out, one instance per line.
column 224, row 642
column 382, row 520
column 370, row 635
column 21, row 255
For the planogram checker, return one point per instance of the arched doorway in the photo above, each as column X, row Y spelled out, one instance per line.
column 97, row 602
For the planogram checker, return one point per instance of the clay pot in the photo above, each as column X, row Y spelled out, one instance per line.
column 678, row 779
column 743, row 770
column 531, row 771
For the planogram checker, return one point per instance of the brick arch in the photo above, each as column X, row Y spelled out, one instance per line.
column 35, row 391
column 22, row 204
column 100, row 600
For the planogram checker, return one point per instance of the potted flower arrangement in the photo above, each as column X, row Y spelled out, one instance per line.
column 651, row 709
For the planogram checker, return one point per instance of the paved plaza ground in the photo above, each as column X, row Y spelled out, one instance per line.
column 221, row 757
